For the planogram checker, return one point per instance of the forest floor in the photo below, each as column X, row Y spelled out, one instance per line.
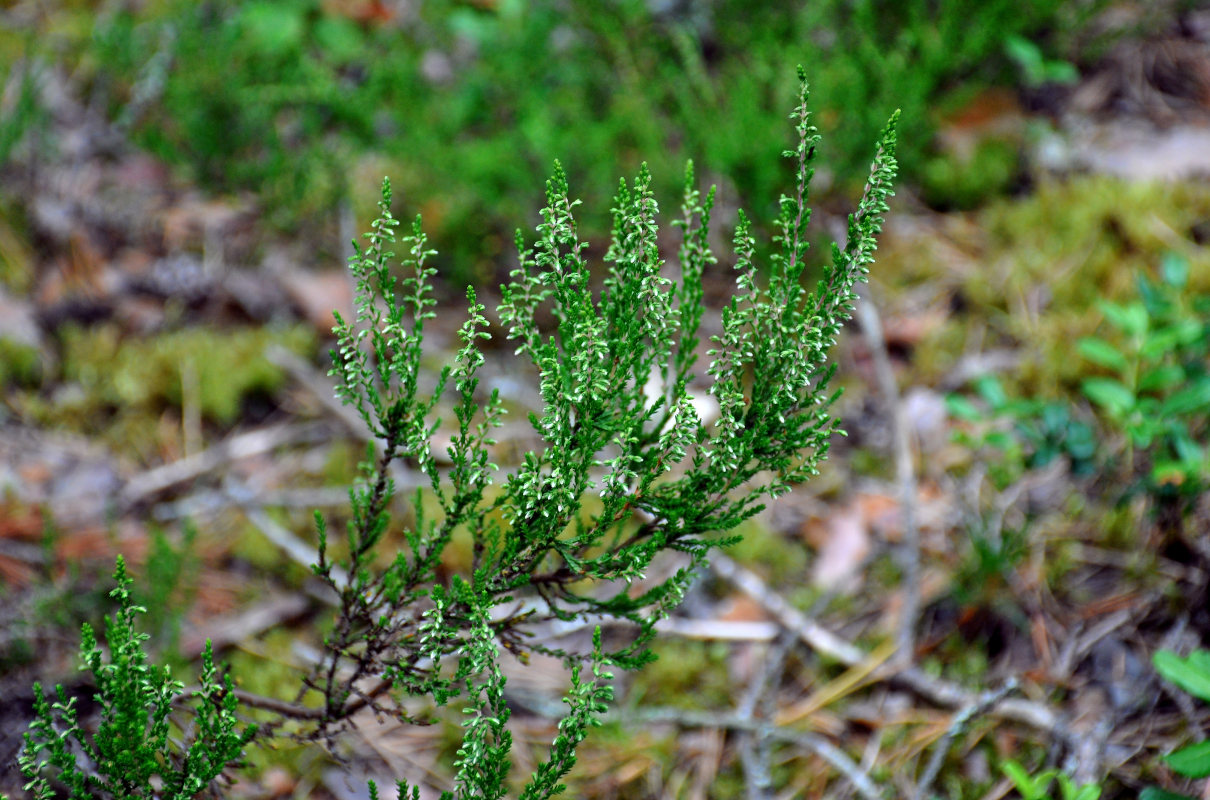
column 166, row 397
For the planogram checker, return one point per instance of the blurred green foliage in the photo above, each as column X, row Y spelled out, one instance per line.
column 461, row 102
column 1146, row 375
column 1192, row 674
column 1025, row 434
column 1155, row 384
column 1038, row 785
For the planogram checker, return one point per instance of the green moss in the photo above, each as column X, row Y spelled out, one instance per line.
column 871, row 462
column 989, row 171
column 1030, row 270
column 122, row 386
column 340, row 463
column 16, row 254
column 253, row 546
column 229, row 365
column 687, row 674
column 268, row 672
column 782, row 561
column 1120, row 527
column 20, row 364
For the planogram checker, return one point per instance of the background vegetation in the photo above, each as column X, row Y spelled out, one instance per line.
column 180, row 180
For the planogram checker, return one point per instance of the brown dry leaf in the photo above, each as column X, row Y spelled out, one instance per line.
column 1043, row 645
column 187, row 224
column 908, row 330
column 317, row 293
column 844, row 539
column 25, row 524
column 994, row 112
column 95, row 543
column 842, row 553
column 742, row 608
column 1106, row 605
column 364, row 11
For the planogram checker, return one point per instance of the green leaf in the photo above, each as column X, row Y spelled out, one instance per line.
column 1188, row 451
column 1027, row 56
column 1191, row 673
column 1192, row 761
column 272, row 28
column 960, row 407
column 1070, row 791
column 340, row 38
column 1172, row 473
column 1061, row 72
column 1194, row 398
column 990, row 388
column 1155, row 793
column 1103, row 353
column 1110, row 395
column 1161, row 378
column 1130, row 319
column 1028, row 786
column 1174, row 269
column 1160, row 342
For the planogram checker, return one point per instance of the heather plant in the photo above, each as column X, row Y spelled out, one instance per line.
column 666, row 482
column 607, row 523
column 133, row 752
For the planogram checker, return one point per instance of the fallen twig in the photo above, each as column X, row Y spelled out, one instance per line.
column 236, row 628
column 287, row 542
column 153, row 481
column 905, row 476
column 762, row 692
column 818, row 745
column 936, row 690
column 689, row 718
column 958, row 724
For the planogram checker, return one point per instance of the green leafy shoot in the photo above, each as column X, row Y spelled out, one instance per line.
column 134, row 752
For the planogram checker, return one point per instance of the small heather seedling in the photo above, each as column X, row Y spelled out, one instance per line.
column 134, row 752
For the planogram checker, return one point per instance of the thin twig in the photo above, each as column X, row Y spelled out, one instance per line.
column 818, row 638
column 320, row 387
column 958, row 724
column 291, row 545
column 298, row 711
column 245, row 445
column 753, row 745
column 228, row 631
column 905, row 475
column 818, row 745
column 690, row 718
column 936, row 690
